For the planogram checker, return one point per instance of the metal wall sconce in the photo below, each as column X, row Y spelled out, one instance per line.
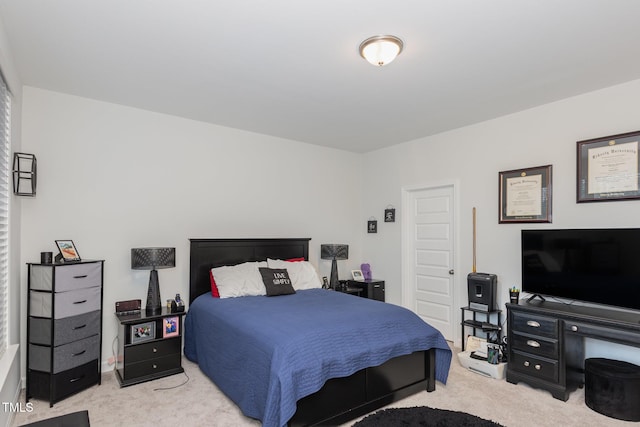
column 25, row 173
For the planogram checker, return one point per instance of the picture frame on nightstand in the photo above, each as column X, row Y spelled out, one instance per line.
column 357, row 275
column 171, row 326
column 143, row 332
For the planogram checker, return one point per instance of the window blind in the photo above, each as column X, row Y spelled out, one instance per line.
column 5, row 186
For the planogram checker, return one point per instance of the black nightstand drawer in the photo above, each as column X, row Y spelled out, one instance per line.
column 153, row 366
column 152, row 350
column 535, row 345
column 537, row 367
column 372, row 289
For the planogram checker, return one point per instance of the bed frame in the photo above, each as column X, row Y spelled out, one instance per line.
column 340, row 399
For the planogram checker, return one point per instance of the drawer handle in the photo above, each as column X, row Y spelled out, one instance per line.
column 155, row 366
column 76, row 379
column 78, row 354
column 532, row 343
column 79, row 327
column 80, row 302
column 80, row 277
column 574, row 328
column 538, row 367
column 155, row 350
column 533, row 323
column 526, row 363
column 376, row 286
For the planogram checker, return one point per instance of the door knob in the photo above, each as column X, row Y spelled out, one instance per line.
column 451, row 271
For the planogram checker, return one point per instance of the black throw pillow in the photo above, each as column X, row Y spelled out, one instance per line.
column 277, row 281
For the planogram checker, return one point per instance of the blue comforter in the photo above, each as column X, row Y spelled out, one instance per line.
column 265, row 353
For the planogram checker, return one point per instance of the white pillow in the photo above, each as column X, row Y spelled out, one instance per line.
column 239, row 280
column 303, row 275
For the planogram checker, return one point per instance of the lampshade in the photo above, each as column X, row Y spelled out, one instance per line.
column 334, row 251
column 381, row 50
column 152, row 259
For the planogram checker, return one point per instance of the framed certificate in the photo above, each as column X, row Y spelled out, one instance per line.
column 525, row 195
column 608, row 168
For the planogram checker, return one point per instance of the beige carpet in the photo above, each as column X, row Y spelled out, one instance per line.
column 200, row 403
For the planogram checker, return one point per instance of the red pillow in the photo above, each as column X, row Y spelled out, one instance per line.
column 214, row 287
column 295, row 259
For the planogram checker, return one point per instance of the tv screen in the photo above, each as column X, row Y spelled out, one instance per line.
column 594, row 265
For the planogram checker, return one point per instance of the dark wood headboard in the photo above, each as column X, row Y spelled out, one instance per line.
column 209, row 253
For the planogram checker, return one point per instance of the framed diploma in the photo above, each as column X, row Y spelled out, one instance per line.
column 608, row 168
column 525, row 195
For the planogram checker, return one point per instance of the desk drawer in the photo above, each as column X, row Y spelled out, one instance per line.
column 602, row 332
column 536, row 345
column 538, row 367
column 535, row 325
column 141, row 352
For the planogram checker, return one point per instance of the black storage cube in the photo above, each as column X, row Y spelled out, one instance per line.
column 612, row 388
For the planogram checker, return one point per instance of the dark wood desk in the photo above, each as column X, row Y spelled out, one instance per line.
column 546, row 341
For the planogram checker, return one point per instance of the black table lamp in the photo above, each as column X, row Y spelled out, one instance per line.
column 334, row 253
column 152, row 259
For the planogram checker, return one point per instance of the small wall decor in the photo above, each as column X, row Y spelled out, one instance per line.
column 25, row 173
column 372, row 225
column 525, row 195
column 608, row 168
column 390, row 214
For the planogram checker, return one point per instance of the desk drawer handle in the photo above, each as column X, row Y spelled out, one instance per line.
column 80, row 302
column 78, row 354
column 80, row 277
column 538, row 367
column 574, row 328
column 532, row 343
column 76, row 379
column 533, row 323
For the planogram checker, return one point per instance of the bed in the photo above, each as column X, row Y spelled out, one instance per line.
column 309, row 364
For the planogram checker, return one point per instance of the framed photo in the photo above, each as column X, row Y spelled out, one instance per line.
column 68, row 250
column 525, row 195
column 170, row 326
column 357, row 275
column 143, row 332
column 390, row 214
column 608, row 168
column 372, row 226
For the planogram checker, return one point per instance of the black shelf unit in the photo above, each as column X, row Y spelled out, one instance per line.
column 476, row 324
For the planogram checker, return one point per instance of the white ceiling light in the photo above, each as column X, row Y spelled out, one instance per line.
column 380, row 50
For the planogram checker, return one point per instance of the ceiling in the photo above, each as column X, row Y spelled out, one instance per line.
column 291, row 68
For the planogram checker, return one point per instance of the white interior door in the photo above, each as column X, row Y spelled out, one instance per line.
column 429, row 256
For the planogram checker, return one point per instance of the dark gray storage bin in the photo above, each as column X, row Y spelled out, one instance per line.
column 612, row 388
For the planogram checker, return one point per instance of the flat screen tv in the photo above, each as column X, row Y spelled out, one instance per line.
column 594, row 265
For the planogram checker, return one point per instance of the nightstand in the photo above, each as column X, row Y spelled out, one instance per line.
column 373, row 289
column 345, row 288
column 149, row 346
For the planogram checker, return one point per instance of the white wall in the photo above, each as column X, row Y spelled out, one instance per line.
column 112, row 178
column 10, row 362
column 473, row 156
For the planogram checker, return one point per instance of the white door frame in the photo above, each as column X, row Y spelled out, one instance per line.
column 408, row 299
